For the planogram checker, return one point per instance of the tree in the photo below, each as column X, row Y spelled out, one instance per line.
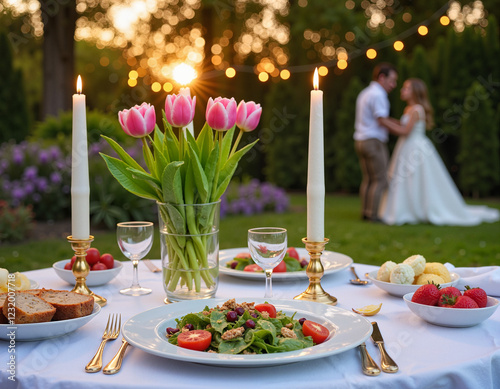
column 479, row 156
column 340, row 153
column 14, row 117
column 59, row 55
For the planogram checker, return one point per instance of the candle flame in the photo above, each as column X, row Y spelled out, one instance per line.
column 316, row 80
column 79, row 85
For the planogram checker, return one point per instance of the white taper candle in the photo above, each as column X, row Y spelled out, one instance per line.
column 80, row 188
column 316, row 168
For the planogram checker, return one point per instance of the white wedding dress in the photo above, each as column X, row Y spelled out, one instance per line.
column 421, row 189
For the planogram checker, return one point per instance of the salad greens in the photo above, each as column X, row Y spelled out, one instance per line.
column 264, row 338
column 291, row 263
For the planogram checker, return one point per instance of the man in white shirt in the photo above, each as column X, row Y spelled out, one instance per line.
column 370, row 136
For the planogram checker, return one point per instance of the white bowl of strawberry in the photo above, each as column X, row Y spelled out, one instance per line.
column 103, row 268
column 450, row 307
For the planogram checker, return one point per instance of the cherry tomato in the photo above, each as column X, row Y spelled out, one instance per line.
column 93, row 256
column 269, row 308
column 254, row 267
column 73, row 259
column 243, row 255
column 292, row 252
column 316, row 331
column 108, row 260
column 99, row 266
column 68, row 266
column 281, row 268
column 198, row 340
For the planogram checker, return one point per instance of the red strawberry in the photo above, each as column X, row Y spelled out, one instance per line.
column 465, row 302
column 427, row 294
column 447, row 301
column 446, row 294
column 476, row 294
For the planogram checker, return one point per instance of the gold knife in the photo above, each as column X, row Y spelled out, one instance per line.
column 367, row 363
column 115, row 364
column 387, row 364
column 151, row 266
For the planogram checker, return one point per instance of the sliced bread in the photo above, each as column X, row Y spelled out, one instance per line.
column 29, row 308
column 69, row 305
column 3, row 318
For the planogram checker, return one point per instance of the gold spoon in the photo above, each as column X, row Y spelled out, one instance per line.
column 357, row 281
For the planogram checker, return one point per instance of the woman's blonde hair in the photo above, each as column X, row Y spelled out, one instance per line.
column 420, row 95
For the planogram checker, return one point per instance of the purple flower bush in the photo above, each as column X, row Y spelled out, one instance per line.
column 252, row 198
column 31, row 174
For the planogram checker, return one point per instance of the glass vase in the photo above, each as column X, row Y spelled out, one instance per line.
column 189, row 236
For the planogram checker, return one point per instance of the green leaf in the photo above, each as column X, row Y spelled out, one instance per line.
column 210, row 169
column 146, row 177
column 233, row 346
column 205, row 142
column 218, row 321
column 171, row 143
column 231, row 164
column 178, row 224
column 171, row 183
column 227, row 141
column 120, row 170
column 148, row 157
column 122, row 153
column 199, row 175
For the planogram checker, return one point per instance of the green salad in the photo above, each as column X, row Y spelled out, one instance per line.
column 291, row 262
column 243, row 329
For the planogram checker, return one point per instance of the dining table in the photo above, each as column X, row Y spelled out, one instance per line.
column 428, row 356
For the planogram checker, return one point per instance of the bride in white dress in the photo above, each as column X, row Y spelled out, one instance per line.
column 420, row 187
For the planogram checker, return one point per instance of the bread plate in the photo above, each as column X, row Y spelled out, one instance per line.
column 40, row 331
column 400, row 290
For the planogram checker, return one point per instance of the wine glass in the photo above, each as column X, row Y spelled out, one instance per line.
column 135, row 240
column 268, row 248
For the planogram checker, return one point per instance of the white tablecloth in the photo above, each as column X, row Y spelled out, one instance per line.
column 428, row 356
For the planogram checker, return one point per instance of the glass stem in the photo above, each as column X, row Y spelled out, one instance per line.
column 269, row 284
column 135, row 275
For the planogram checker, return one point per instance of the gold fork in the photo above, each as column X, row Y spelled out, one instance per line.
column 111, row 332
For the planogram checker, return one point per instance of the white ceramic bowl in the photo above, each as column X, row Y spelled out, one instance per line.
column 95, row 278
column 452, row 317
column 401, row 290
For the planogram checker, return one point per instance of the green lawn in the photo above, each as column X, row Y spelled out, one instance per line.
column 364, row 242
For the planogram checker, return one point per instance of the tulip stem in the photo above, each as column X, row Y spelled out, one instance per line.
column 236, row 142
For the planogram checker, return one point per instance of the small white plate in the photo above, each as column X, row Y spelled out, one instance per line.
column 34, row 284
column 50, row 329
column 332, row 262
column 147, row 331
column 94, row 278
column 451, row 317
column 400, row 290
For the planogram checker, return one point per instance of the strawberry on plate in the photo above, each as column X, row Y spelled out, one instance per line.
column 446, row 294
column 476, row 294
column 465, row 302
column 427, row 294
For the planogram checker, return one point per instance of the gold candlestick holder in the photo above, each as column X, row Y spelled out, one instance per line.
column 315, row 271
column 81, row 268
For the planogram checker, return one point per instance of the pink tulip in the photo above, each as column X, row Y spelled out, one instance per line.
column 138, row 121
column 221, row 113
column 248, row 115
column 179, row 110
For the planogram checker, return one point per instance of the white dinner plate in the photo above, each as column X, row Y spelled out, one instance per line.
column 332, row 262
column 50, row 329
column 400, row 290
column 147, row 331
